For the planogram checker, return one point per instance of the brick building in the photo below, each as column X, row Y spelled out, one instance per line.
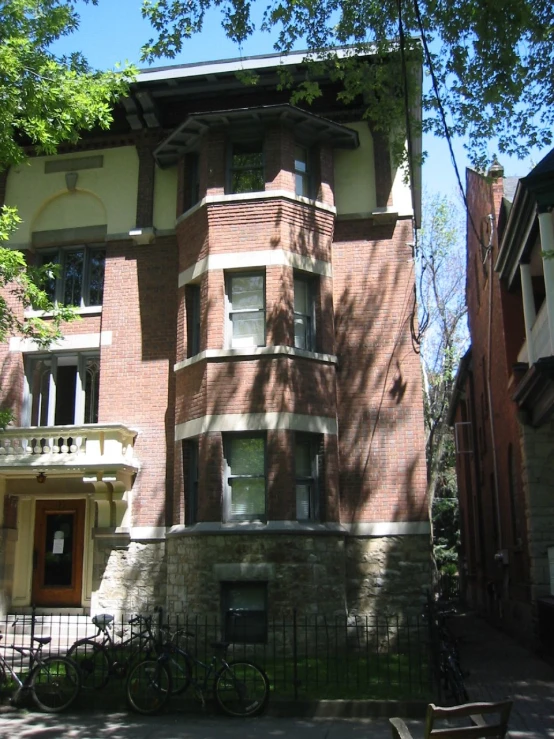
column 503, row 402
column 236, row 420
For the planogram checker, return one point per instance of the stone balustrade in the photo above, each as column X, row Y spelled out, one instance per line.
column 86, row 447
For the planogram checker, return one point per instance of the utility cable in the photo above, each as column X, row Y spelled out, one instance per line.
column 416, row 335
column 443, row 119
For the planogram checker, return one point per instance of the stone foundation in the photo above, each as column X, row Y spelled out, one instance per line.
column 388, row 574
column 128, row 577
column 329, row 574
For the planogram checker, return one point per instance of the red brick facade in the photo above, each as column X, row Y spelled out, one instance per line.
column 351, row 399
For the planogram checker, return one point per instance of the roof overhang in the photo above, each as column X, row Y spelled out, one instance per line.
column 308, row 128
column 534, row 193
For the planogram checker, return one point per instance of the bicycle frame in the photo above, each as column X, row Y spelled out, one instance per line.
column 34, row 655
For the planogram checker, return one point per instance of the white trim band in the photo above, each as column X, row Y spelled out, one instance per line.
column 388, row 528
column 230, row 422
column 254, row 353
column 379, row 529
column 73, row 342
column 264, row 258
column 223, row 198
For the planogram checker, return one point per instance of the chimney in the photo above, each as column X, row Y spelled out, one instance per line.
column 496, row 175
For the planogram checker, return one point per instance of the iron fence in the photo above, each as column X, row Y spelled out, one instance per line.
column 305, row 656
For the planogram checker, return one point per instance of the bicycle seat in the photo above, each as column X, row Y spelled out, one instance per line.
column 102, row 620
column 220, row 644
column 42, row 639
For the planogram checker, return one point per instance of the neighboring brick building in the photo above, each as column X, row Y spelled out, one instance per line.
column 504, row 399
column 236, row 420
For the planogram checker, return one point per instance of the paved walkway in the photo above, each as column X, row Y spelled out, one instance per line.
column 500, row 668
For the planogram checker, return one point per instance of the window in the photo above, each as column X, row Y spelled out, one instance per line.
column 192, row 307
column 301, row 172
column 190, row 455
column 246, row 309
column 307, row 453
column 244, row 606
column 245, row 478
column 62, row 390
column 192, row 180
column 304, row 313
column 247, row 167
column 80, row 281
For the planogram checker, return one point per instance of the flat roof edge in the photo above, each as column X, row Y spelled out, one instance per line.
column 263, row 61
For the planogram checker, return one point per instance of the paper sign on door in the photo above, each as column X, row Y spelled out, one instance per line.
column 57, row 547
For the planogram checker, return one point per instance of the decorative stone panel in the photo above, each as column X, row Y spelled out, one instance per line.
column 128, row 578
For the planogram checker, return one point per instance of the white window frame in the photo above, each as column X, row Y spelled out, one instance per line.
column 229, row 276
column 309, row 282
column 313, row 441
column 228, row 476
column 68, row 359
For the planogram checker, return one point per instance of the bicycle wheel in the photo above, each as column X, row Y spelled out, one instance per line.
column 455, row 681
column 55, row 683
column 93, row 661
column 241, row 689
column 178, row 663
column 148, row 686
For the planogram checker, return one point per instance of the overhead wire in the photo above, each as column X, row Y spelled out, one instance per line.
column 416, row 333
column 443, row 118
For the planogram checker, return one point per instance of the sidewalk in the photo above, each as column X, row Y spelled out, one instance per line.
column 500, row 668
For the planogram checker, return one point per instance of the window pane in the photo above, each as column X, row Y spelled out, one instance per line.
column 39, row 382
column 300, row 159
column 301, row 297
column 303, row 459
column 96, row 276
column 246, row 597
column 49, row 286
column 246, row 456
column 301, row 171
column 303, row 502
column 301, row 334
column 73, row 277
column 247, row 173
column 248, row 329
column 92, row 383
column 247, row 292
column 247, row 497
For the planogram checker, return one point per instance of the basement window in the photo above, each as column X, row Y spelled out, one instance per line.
column 244, row 612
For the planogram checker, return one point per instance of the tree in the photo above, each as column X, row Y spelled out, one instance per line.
column 492, row 62
column 45, row 101
column 440, row 262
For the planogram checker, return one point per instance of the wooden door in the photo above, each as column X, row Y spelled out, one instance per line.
column 58, row 552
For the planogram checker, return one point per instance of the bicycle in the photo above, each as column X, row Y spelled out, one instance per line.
column 451, row 674
column 100, row 656
column 240, row 687
column 52, row 682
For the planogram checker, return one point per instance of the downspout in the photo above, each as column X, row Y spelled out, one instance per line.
column 498, row 555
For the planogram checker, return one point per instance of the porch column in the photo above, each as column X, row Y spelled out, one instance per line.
column 547, row 245
column 529, row 313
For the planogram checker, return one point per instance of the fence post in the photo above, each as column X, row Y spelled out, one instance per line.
column 294, row 655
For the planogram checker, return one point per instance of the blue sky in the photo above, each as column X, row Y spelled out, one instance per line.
column 114, row 31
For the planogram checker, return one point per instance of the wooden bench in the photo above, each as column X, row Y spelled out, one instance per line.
column 473, row 714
